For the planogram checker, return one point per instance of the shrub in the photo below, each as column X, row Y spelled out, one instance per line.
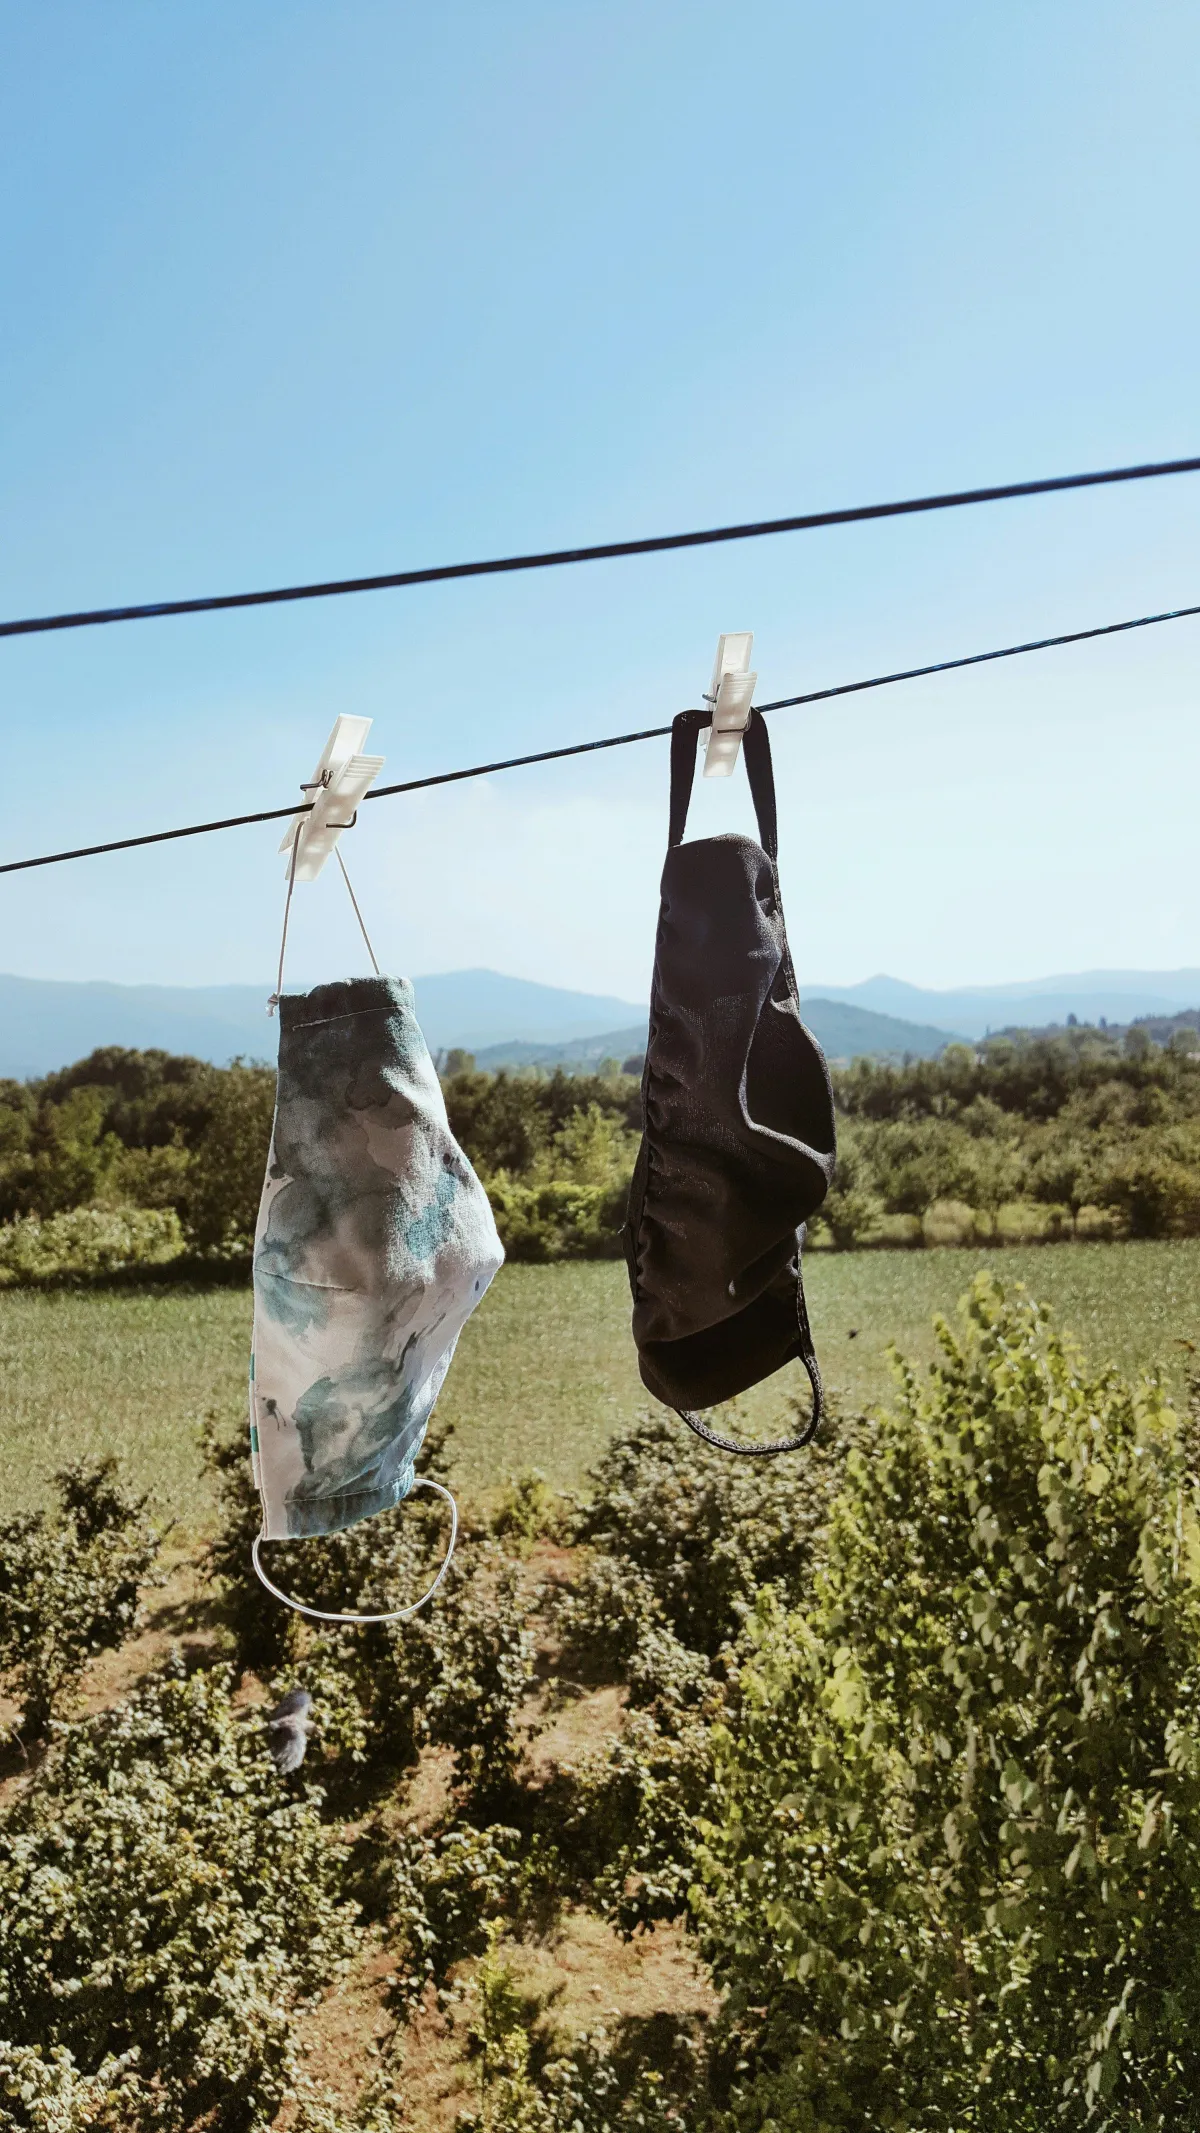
column 164, row 1906
column 529, row 1511
column 225, row 1177
column 69, row 1586
column 456, row 1673
column 851, row 1208
column 482, row 1650
column 592, row 2088
column 558, row 1220
column 88, row 1240
column 1156, row 1195
column 441, row 1894
column 603, row 1617
column 508, row 1122
column 952, row 1222
column 44, row 2092
column 624, row 1820
column 69, row 1152
column 953, row 1848
column 705, row 1530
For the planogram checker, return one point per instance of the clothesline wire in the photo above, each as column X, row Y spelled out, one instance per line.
column 601, row 551
column 615, row 740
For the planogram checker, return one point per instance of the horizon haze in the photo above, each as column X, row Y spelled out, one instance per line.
column 46, row 1024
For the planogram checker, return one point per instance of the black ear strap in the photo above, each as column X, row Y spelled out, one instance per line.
column 805, row 1354
column 685, row 731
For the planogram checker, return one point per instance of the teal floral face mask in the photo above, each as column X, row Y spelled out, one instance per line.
column 375, row 1242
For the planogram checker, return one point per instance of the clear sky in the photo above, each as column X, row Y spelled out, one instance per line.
column 295, row 290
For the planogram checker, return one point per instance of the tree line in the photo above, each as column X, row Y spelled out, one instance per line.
column 1075, row 1134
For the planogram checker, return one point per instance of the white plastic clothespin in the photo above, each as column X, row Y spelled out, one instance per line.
column 731, row 695
column 341, row 779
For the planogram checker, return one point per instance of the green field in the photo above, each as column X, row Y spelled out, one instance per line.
column 545, row 1370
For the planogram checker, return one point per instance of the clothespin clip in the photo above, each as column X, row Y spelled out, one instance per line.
column 731, row 695
column 340, row 781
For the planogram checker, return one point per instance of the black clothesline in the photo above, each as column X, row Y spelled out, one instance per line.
column 616, row 740
column 601, row 551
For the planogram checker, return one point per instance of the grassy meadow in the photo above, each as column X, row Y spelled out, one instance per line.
column 546, row 1370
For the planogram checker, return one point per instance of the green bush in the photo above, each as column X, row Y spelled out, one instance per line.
column 558, row 1219
column 1154, row 1194
column 952, row 1865
column 455, row 1674
column 69, row 1586
column 604, row 1615
column 228, row 1164
column 705, row 1530
column 681, row 1538
column 165, row 1904
column 595, row 2087
column 624, row 1820
column 44, row 2092
column 529, row 1511
column 441, row 1894
column 88, row 1241
column 508, row 1122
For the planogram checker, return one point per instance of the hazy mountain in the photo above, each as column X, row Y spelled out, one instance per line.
column 1115, row 995
column 582, row 1055
column 842, row 1033
column 47, row 1023
column 480, row 1007
column 846, row 1032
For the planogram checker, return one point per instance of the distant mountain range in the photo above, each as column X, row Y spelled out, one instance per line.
column 842, row 1033
column 1034, row 1003
column 47, row 1023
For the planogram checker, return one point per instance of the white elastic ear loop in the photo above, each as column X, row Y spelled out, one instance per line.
column 395, row 1614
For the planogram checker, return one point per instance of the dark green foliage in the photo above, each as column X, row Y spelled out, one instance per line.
column 1070, row 1121
column 952, row 1865
column 69, row 1585
column 229, row 1160
column 128, row 1129
column 441, row 1893
column 624, row 1821
column 555, row 1153
column 164, row 1904
column 117, row 1124
column 683, row 1537
column 705, row 1530
column 506, row 1121
column 455, row 1674
column 140, row 1129
column 603, row 2084
column 1016, row 1137
column 150, row 1097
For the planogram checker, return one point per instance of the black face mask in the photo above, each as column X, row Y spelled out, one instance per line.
column 738, row 1135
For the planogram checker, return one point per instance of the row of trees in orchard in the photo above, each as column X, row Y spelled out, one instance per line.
column 1079, row 1134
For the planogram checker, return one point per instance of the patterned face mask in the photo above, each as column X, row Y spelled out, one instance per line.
column 375, row 1241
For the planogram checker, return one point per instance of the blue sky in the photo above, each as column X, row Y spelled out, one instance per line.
column 296, row 291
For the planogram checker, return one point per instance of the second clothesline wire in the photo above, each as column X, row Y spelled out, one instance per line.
column 616, row 740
